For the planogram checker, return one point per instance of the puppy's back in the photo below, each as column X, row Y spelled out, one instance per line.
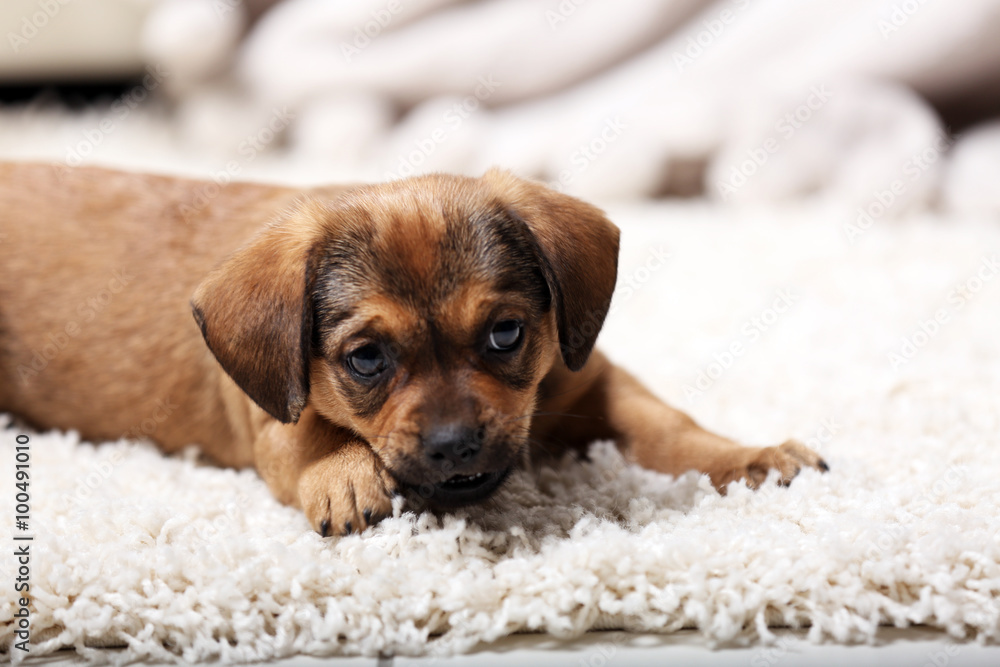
column 96, row 271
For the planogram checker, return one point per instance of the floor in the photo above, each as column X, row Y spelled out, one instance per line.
column 916, row 647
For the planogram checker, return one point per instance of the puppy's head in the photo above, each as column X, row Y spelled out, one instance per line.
column 422, row 314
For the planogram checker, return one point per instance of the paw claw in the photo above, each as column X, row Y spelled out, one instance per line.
column 788, row 459
column 350, row 490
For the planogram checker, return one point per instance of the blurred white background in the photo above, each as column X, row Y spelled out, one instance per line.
column 882, row 107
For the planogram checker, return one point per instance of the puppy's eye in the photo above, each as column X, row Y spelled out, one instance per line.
column 367, row 361
column 505, row 336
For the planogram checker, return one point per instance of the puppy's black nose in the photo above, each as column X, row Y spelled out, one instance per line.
column 453, row 443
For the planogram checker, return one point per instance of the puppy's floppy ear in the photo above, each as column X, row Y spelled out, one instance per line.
column 255, row 311
column 578, row 249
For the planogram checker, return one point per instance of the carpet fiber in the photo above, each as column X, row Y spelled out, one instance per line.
column 882, row 354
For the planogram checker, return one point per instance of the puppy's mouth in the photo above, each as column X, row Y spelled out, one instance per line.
column 467, row 489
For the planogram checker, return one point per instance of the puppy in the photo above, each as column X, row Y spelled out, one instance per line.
column 349, row 343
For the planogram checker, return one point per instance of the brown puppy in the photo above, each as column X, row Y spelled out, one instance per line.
column 360, row 341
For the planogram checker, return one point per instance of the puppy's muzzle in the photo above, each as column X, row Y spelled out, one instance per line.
column 454, row 443
column 453, row 451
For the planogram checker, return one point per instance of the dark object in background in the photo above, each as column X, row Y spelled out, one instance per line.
column 74, row 95
column 83, row 53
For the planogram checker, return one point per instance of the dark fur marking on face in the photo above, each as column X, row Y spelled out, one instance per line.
column 504, row 250
column 344, row 272
column 519, row 372
column 514, row 263
column 485, row 246
column 365, row 399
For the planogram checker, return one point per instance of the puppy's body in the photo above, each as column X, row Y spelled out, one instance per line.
column 424, row 281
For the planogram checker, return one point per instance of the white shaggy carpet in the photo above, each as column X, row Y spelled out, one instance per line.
column 178, row 561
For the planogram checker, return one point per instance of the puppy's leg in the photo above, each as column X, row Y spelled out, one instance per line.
column 604, row 401
column 336, row 478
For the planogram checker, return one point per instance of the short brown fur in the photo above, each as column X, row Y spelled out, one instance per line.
column 291, row 289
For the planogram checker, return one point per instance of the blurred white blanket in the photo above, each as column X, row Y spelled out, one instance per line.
column 628, row 98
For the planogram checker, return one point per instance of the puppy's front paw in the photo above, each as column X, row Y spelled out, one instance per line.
column 346, row 491
column 788, row 459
